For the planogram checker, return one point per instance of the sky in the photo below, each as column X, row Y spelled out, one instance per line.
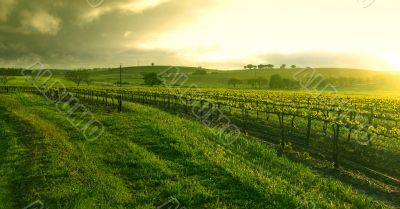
column 224, row 34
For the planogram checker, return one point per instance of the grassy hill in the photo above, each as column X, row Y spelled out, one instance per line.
column 144, row 158
column 344, row 79
column 365, row 80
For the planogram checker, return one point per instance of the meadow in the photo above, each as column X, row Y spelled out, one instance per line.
column 145, row 157
column 169, row 144
column 357, row 80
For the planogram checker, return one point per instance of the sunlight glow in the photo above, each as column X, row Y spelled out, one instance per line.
column 243, row 29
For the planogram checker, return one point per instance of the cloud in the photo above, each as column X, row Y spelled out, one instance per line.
column 125, row 6
column 127, row 34
column 21, row 61
column 139, row 6
column 6, row 8
column 41, row 22
column 49, row 31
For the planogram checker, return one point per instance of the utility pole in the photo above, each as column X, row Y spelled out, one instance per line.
column 120, row 88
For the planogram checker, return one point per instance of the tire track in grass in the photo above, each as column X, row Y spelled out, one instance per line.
column 27, row 158
column 9, row 158
column 152, row 178
column 196, row 182
column 145, row 167
column 170, row 147
column 94, row 153
column 287, row 181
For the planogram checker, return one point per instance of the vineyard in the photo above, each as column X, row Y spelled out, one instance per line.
column 364, row 129
column 144, row 157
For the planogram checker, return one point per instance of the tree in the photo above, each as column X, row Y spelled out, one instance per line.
column 289, row 84
column 250, row 67
column 262, row 82
column 293, row 66
column 5, row 79
column 199, row 72
column 151, row 79
column 77, row 76
column 275, row 82
column 260, row 67
column 257, row 83
column 89, row 81
column 283, row 66
column 252, row 83
column 271, row 66
column 234, row 82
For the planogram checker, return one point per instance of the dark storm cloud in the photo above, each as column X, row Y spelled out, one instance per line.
column 68, row 34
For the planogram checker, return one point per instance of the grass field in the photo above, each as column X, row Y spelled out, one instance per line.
column 366, row 81
column 220, row 78
column 145, row 157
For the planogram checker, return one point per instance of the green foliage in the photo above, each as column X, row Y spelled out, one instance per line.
column 78, row 76
column 250, row 67
column 151, row 79
column 276, row 82
column 234, row 82
column 257, row 83
column 199, row 72
column 5, row 79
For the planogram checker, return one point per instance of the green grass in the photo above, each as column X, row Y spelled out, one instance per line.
column 220, row 78
column 372, row 82
column 145, row 157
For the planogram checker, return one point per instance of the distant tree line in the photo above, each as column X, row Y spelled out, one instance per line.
column 268, row 67
column 13, row 71
column 199, row 72
column 276, row 81
column 4, row 79
column 18, row 71
column 352, row 81
column 8, row 74
column 255, row 83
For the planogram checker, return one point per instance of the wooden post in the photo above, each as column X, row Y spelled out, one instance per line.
column 282, row 125
column 257, row 109
column 308, row 130
column 336, row 134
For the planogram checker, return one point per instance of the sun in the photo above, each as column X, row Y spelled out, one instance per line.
column 393, row 61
